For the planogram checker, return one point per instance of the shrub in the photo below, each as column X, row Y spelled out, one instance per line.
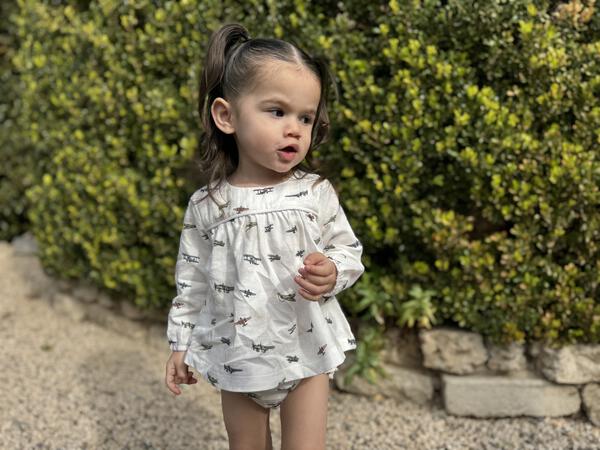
column 467, row 140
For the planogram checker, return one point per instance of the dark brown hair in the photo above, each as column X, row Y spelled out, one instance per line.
column 231, row 67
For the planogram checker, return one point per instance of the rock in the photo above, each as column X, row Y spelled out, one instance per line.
column 67, row 305
column 121, row 325
column 131, row 311
column 591, row 402
column 402, row 348
column 105, row 301
column 510, row 358
column 64, row 286
column 453, row 351
column 401, row 383
column 500, row 396
column 571, row 364
column 86, row 292
column 39, row 284
column 534, row 348
column 25, row 245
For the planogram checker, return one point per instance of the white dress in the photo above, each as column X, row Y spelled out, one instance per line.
column 237, row 312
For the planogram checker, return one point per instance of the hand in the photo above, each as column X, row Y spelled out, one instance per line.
column 178, row 373
column 317, row 277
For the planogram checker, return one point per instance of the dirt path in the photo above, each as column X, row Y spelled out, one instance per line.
column 76, row 385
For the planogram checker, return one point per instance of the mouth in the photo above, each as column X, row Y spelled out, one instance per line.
column 289, row 149
column 288, row 153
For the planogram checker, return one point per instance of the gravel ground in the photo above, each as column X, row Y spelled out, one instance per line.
column 76, row 385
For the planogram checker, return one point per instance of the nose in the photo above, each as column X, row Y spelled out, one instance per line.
column 292, row 128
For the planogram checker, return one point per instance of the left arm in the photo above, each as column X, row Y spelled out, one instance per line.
column 339, row 266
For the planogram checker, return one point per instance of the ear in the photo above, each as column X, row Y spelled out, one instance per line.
column 222, row 114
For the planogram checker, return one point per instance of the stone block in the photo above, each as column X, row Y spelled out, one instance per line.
column 454, row 351
column 105, row 301
column 591, row 402
column 131, row 311
column 25, row 245
column 401, row 384
column 67, row 305
column 509, row 358
column 85, row 292
column 402, row 348
column 500, row 396
column 109, row 320
column 571, row 364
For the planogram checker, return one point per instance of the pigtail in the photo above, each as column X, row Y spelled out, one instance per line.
column 218, row 150
column 321, row 129
column 220, row 47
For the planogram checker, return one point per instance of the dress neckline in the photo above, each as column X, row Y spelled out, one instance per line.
column 287, row 180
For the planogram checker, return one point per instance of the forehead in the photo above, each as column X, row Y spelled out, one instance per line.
column 290, row 81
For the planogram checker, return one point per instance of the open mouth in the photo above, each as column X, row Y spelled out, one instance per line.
column 288, row 153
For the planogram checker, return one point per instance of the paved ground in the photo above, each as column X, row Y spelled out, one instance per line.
column 76, row 385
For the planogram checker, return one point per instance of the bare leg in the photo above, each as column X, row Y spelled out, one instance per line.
column 247, row 422
column 304, row 415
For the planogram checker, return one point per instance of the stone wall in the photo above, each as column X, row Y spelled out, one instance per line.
column 472, row 377
column 456, row 368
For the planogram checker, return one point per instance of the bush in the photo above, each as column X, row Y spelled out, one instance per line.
column 16, row 170
column 468, row 140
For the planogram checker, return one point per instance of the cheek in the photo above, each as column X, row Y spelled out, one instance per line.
column 308, row 136
column 255, row 134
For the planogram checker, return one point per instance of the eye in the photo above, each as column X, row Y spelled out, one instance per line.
column 276, row 112
column 307, row 120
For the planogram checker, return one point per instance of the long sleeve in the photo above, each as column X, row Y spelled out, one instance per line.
column 191, row 281
column 340, row 244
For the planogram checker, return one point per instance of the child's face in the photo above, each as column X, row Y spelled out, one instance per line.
column 277, row 114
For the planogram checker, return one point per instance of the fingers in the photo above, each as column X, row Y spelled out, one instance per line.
column 316, row 279
column 306, row 285
column 313, row 278
column 170, row 379
column 308, row 296
column 184, row 376
column 312, row 287
column 314, row 258
column 177, row 374
column 321, row 270
column 191, row 379
column 318, row 264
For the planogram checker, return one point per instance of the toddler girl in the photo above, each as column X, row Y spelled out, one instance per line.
column 265, row 247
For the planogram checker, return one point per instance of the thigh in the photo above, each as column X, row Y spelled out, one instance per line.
column 304, row 415
column 247, row 423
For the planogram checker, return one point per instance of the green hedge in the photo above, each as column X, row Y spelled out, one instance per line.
column 468, row 139
column 15, row 170
column 473, row 136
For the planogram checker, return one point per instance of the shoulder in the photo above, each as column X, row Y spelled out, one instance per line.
column 203, row 201
column 208, row 192
column 314, row 181
column 324, row 189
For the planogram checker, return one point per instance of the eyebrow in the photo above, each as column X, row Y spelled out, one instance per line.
column 284, row 103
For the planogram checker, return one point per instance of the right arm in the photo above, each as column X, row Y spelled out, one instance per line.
column 191, row 281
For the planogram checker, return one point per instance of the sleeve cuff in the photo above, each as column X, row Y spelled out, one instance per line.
column 178, row 342
column 340, row 282
column 177, row 347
